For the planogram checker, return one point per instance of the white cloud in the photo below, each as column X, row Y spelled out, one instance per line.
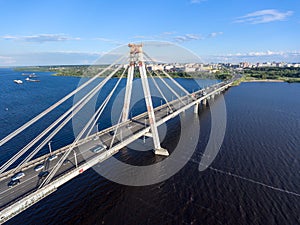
column 180, row 38
column 6, row 60
column 215, row 34
column 188, row 37
column 41, row 38
column 258, row 56
column 162, row 36
column 264, row 16
column 197, row 1
column 191, row 37
column 141, row 37
column 111, row 41
column 265, row 53
column 79, row 53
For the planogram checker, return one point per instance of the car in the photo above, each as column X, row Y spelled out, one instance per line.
column 112, row 132
column 52, row 157
column 39, row 167
column 204, row 93
column 96, row 138
column 66, row 161
column 17, row 176
column 13, row 183
column 43, row 174
column 98, row 148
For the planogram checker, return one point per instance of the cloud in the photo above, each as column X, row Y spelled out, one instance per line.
column 142, row 37
column 258, row 56
column 40, row 38
column 180, row 38
column 197, row 1
column 6, row 60
column 193, row 37
column 187, row 37
column 264, row 16
column 214, row 34
column 265, row 53
column 78, row 53
column 162, row 36
column 111, row 41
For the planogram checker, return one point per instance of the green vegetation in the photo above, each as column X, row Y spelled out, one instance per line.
column 260, row 73
column 223, row 74
column 272, row 73
column 65, row 70
column 88, row 71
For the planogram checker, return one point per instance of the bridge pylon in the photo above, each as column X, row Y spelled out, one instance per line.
column 136, row 59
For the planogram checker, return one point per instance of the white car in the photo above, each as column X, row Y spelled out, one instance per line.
column 98, row 148
column 96, row 138
column 39, row 167
column 52, row 157
column 17, row 176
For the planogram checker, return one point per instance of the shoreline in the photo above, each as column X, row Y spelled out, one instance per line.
column 263, row 80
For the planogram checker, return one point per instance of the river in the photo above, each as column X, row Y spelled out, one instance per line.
column 254, row 178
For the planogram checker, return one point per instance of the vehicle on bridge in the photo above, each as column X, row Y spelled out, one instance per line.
column 98, row 148
column 96, row 138
column 17, row 176
column 66, row 161
column 43, row 174
column 13, row 183
column 39, row 167
column 52, row 157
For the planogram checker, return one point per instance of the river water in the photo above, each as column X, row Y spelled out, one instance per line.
column 254, row 178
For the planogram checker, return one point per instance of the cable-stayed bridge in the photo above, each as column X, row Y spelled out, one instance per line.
column 25, row 179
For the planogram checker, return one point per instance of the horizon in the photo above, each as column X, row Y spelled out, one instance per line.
column 75, row 32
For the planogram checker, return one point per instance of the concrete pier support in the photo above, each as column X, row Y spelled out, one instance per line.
column 204, row 102
column 161, row 151
column 196, row 108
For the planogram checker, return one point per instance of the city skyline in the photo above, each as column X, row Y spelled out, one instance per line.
column 74, row 32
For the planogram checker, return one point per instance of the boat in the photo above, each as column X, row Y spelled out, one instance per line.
column 18, row 81
column 31, row 80
column 31, row 75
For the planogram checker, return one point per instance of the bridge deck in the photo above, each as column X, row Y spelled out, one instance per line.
column 127, row 132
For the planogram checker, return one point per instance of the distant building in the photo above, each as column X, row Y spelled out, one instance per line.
column 244, row 65
column 189, row 69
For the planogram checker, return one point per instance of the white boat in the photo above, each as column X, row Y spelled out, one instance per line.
column 18, row 81
column 31, row 80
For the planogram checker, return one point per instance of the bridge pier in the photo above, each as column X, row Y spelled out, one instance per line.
column 196, row 108
column 161, row 151
column 204, row 102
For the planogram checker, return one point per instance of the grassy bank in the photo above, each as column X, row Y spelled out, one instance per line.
column 89, row 71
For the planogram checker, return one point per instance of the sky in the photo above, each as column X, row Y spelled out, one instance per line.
column 35, row 32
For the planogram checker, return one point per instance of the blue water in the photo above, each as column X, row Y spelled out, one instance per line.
column 253, row 180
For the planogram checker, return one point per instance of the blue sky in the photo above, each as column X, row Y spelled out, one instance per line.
column 35, row 32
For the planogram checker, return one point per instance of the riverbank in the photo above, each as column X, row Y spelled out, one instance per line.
column 262, row 80
column 279, row 80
